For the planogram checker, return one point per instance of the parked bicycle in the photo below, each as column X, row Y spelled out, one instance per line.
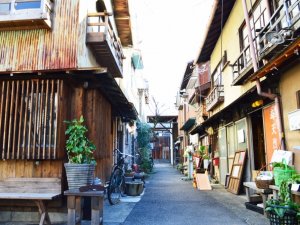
column 116, row 187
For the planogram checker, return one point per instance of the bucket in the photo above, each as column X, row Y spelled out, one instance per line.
column 134, row 188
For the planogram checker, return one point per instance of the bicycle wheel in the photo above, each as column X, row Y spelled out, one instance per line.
column 116, row 186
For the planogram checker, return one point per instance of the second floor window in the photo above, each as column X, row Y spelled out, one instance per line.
column 28, row 119
column 25, row 14
column 258, row 18
column 12, row 6
column 217, row 76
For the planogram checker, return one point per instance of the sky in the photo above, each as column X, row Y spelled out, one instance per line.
column 169, row 34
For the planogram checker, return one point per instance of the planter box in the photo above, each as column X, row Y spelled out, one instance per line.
column 134, row 188
column 79, row 175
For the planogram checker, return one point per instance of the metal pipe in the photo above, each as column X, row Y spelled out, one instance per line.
column 268, row 9
column 251, row 43
column 257, row 82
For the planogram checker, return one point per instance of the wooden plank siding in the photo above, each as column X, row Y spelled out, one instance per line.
column 42, row 49
column 40, row 160
column 97, row 112
column 30, row 168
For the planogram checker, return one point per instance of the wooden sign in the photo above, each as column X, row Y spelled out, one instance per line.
column 272, row 136
column 203, row 181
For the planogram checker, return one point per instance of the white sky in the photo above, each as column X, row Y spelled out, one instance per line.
column 170, row 34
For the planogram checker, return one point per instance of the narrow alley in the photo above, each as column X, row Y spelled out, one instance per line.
column 170, row 200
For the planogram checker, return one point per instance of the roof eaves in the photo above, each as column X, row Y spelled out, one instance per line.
column 213, row 29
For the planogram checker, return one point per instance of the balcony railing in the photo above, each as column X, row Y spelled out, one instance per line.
column 273, row 37
column 241, row 65
column 215, row 97
column 280, row 30
column 104, row 43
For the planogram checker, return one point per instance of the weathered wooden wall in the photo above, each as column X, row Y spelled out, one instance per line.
column 74, row 102
column 30, row 168
column 41, row 49
column 98, row 117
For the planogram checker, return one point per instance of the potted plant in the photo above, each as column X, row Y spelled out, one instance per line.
column 283, row 210
column 81, row 165
column 204, row 157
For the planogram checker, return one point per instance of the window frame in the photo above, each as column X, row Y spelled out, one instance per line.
column 14, row 18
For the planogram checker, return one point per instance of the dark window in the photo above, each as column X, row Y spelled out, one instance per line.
column 28, row 119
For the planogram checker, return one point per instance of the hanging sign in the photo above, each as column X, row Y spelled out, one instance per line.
column 272, row 136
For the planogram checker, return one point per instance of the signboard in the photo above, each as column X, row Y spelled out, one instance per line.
column 272, row 136
column 294, row 120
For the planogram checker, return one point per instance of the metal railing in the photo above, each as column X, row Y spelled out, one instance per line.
column 242, row 62
column 100, row 23
column 215, row 96
column 281, row 26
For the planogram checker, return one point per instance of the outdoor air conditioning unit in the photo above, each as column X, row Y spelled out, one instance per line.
column 274, row 37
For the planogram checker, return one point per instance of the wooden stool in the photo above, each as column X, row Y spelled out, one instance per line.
column 74, row 206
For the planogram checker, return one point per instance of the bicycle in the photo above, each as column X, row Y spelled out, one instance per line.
column 116, row 186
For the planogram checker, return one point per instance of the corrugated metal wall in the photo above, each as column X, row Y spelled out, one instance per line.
column 43, row 49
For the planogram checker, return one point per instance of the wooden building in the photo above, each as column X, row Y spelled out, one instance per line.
column 58, row 61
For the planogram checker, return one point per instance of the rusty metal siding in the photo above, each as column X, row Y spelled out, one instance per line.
column 41, row 49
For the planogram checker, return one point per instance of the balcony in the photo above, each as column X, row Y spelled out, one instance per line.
column 104, row 43
column 215, row 97
column 242, row 67
column 281, row 30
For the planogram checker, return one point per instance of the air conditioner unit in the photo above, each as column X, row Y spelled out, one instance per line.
column 274, row 37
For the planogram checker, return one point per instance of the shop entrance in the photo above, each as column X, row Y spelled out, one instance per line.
column 258, row 139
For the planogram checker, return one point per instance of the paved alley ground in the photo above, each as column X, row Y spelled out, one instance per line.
column 168, row 200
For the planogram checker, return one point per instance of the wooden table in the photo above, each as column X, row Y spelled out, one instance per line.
column 275, row 190
column 263, row 192
column 74, row 206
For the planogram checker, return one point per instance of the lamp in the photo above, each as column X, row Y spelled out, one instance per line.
column 257, row 103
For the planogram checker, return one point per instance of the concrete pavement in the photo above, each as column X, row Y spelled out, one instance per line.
column 168, row 200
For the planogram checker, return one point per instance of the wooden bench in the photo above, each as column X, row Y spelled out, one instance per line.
column 263, row 192
column 38, row 190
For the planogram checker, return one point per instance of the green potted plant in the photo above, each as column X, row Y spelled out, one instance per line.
column 204, row 157
column 283, row 210
column 81, row 165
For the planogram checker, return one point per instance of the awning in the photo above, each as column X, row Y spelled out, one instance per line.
column 188, row 124
column 120, row 104
column 280, row 59
column 198, row 130
column 90, row 78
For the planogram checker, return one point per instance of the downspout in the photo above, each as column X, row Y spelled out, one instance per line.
column 271, row 96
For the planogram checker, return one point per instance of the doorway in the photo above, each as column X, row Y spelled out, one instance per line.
column 259, row 157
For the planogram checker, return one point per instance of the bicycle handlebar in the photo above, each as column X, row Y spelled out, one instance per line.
column 124, row 154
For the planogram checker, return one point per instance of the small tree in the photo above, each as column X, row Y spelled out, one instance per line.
column 79, row 148
column 144, row 135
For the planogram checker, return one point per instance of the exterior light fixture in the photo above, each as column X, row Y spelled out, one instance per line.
column 257, row 103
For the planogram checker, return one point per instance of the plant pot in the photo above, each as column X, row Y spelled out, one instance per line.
column 134, row 188
column 287, row 219
column 79, row 175
column 205, row 163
